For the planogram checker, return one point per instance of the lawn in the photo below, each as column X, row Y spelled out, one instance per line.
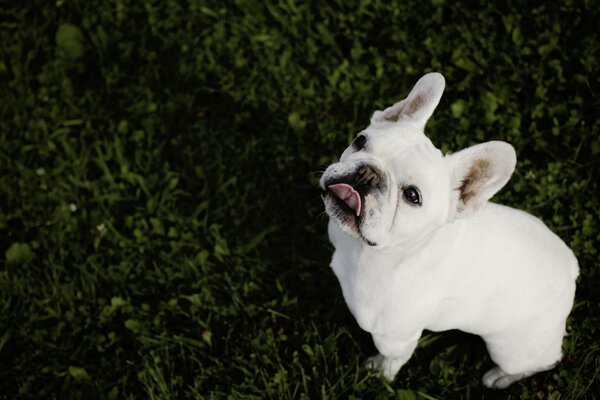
column 161, row 230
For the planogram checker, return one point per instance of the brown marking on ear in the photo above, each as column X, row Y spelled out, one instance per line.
column 415, row 104
column 407, row 109
column 393, row 117
column 472, row 183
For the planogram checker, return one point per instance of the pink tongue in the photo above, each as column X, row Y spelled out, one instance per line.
column 348, row 195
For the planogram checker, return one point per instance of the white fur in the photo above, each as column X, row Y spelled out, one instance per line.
column 454, row 262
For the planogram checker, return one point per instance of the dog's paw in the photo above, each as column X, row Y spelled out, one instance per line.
column 388, row 367
column 495, row 378
column 374, row 362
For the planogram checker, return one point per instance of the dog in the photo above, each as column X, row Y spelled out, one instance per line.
column 419, row 246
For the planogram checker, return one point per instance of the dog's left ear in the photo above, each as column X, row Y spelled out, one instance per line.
column 477, row 173
column 419, row 104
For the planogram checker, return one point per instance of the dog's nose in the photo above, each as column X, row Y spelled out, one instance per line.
column 366, row 175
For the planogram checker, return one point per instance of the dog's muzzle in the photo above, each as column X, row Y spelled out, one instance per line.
column 351, row 189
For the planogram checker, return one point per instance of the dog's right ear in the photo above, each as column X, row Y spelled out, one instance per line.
column 419, row 105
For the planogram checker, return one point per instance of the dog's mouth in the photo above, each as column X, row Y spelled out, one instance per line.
column 349, row 192
column 348, row 195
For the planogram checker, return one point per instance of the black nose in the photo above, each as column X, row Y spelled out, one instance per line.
column 367, row 175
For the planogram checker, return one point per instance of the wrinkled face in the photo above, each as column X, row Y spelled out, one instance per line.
column 391, row 186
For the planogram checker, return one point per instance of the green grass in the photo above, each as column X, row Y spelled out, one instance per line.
column 160, row 225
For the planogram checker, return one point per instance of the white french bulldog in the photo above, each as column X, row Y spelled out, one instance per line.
column 418, row 246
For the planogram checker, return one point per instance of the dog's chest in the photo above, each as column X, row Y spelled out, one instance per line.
column 381, row 294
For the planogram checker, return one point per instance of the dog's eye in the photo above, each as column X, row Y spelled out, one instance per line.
column 359, row 142
column 412, row 196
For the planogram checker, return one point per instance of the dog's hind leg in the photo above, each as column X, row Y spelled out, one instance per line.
column 523, row 354
column 495, row 378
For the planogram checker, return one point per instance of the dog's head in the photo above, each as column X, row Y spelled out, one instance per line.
column 392, row 186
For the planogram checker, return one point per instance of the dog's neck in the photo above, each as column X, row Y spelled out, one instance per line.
column 431, row 246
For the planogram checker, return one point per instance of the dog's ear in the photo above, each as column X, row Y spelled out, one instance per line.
column 477, row 173
column 419, row 104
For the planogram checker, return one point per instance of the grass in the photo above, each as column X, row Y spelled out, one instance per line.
column 161, row 231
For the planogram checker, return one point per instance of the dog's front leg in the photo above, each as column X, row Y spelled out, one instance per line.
column 394, row 352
